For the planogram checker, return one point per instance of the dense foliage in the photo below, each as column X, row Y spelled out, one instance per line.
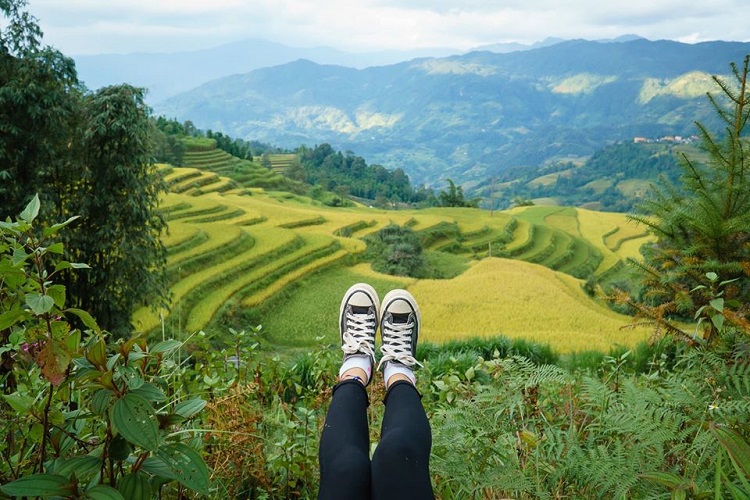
column 611, row 167
column 351, row 175
column 699, row 267
column 397, row 250
column 85, row 154
column 81, row 417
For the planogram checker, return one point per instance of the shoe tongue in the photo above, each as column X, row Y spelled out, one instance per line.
column 360, row 309
column 399, row 318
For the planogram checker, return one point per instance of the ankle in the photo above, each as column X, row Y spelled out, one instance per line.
column 393, row 372
column 357, row 374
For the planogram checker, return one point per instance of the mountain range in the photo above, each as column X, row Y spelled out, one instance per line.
column 471, row 116
column 168, row 74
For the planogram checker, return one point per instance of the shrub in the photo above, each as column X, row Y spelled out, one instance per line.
column 396, row 250
column 81, row 417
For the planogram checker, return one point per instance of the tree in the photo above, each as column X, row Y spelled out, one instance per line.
column 454, row 197
column 38, row 99
column 701, row 259
column 397, row 250
column 84, row 154
column 117, row 200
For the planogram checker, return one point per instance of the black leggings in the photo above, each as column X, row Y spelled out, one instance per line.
column 400, row 464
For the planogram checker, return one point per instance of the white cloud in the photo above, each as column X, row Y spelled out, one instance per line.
column 95, row 26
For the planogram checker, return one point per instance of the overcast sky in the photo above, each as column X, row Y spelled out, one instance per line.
column 124, row 26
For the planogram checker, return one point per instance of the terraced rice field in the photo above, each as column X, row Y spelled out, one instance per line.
column 519, row 300
column 253, row 249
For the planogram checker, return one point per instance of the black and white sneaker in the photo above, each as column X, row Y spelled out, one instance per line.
column 358, row 322
column 399, row 327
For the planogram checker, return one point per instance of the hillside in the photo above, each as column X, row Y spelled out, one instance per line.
column 246, row 252
column 615, row 178
column 472, row 116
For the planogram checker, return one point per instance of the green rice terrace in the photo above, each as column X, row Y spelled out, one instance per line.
column 238, row 246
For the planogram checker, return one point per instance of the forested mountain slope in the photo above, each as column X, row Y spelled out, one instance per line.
column 472, row 116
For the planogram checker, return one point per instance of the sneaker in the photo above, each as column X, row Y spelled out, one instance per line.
column 399, row 326
column 358, row 322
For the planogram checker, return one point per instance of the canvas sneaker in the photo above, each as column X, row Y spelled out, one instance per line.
column 358, row 322
column 399, row 326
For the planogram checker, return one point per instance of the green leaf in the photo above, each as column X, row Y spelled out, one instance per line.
column 38, row 485
column 717, row 304
column 86, row 318
column 718, row 320
column 78, row 265
column 169, row 420
column 736, row 446
column 667, row 479
column 49, row 231
column 157, row 467
column 82, row 466
column 119, row 448
column 150, row 392
column 62, row 265
column 103, row 492
column 56, row 248
column 190, row 407
column 19, row 256
column 39, row 304
column 135, row 486
column 10, row 318
column 100, row 400
column 166, row 346
column 32, row 210
column 134, row 418
column 186, row 466
column 57, row 292
column 19, row 402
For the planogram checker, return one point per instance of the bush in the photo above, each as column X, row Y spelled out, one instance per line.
column 82, row 417
column 396, row 250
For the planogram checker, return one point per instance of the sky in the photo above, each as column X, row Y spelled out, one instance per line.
column 78, row 27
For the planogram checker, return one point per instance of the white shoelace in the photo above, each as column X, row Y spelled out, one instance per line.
column 397, row 344
column 359, row 337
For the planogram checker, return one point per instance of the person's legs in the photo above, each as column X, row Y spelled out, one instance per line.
column 400, row 465
column 344, row 452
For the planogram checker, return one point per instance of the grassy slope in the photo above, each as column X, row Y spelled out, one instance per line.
column 295, row 288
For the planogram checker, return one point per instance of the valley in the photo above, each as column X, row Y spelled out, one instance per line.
column 251, row 253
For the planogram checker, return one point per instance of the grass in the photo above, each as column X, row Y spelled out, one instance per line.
column 218, row 237
column 179, row 234
column 200, row 315
column 311, row 309
column 446, row 265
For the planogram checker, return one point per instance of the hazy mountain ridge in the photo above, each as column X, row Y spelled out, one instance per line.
column 167, row 74
column 470, row 116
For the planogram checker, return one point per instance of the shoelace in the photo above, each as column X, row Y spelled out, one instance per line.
column 397, row 344
column 359, row 336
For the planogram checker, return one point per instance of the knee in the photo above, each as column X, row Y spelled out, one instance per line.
column 350, row 467
column 402, row 448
